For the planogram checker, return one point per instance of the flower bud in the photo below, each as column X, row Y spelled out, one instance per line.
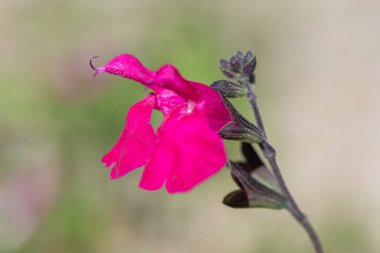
column 239, row 132
column 240, row 128
column 252, row 192
column 257, row 169
column 229, row 89
column 249, row 67
column 237, row 62
column 225, row 67
column 240, row 66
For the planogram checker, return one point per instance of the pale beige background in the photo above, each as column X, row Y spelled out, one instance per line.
column 318, row 85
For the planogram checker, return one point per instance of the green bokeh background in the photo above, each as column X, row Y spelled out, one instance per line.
column 317, row 80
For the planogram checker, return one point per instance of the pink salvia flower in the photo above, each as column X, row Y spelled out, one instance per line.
column 186, row 149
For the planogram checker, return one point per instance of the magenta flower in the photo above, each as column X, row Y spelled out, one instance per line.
column 186, row 149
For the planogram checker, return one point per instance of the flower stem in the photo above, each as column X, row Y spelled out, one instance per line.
column 253, row 101
column 270, row 155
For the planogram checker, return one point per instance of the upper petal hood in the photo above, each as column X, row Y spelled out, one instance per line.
column 130, row 67
column 167, row 82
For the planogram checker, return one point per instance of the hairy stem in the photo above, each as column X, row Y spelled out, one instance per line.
column 270, row 155
column 253, row 101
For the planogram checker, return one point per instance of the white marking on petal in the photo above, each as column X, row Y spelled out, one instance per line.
column 190, row 106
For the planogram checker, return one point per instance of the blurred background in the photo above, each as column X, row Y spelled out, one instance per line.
column 318, row 86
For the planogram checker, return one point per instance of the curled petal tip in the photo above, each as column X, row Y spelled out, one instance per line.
column 97, row 70
column 91, row 64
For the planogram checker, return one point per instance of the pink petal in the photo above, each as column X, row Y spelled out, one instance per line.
column 158, row 167
column 216, row 112
column 172, row 89
column 168, row 100
column 128, row 66
column 136, row 142
column 168, row 77
column 187, row 152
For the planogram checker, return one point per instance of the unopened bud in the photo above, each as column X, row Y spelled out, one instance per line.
column 229, row 89
column 240, row 128
column 252, row 193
